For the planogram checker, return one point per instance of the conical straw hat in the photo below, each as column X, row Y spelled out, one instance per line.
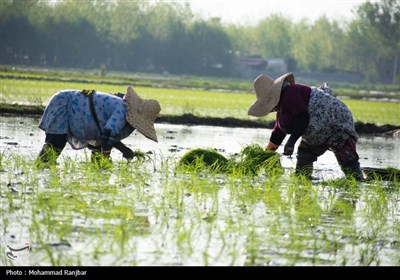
column 141, row 113
column 268, row 93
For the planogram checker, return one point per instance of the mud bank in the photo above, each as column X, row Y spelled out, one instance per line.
column 190, row 119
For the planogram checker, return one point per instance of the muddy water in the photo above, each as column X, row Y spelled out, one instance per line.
column 23, row 135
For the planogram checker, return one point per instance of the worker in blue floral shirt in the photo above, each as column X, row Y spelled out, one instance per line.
column 96, row 120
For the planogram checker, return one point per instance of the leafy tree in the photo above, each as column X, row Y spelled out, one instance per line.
column 275, row 36
column 244, row 40
column 17, row 36
column 384, row 17
column 69, row 38
column 301, row 46
column 316, row 46
column 159, row 35
column 20, row 40
column 210, row 48
column 363, row 49
column 166, row 34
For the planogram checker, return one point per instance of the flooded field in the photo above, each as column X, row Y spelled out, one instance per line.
column 22, row 135
column 149, row 214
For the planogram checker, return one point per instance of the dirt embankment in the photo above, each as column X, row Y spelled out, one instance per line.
column 189, row 119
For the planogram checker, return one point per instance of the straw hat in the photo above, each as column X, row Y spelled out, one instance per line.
column 268, row 93
column 141, row 113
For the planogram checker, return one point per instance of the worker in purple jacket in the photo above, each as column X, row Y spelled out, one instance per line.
column 314, row 114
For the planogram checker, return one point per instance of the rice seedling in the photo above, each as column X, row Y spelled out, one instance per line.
column 386, row 174
column 200, row 159
column 249, row 161
column 77, row 213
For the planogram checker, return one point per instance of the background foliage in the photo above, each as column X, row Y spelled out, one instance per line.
column 167, row 37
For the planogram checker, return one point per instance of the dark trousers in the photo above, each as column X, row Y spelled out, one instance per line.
column 58, row 141
column 346, row 156
column 54, row 144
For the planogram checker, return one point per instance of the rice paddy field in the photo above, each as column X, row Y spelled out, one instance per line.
column 149, row 212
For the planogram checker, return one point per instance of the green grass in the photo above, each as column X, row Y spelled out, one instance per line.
column 162, row 81
column 379, row 113
column 178, row 101
column 121, row 78
column 173, row 101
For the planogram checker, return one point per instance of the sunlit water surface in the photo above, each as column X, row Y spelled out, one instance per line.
column 265, row 233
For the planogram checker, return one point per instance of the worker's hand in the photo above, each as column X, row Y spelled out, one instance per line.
column 288, row 150
column 128, row 153
column 271, row 146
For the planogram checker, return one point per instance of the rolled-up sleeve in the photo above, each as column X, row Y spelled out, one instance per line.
column 112, row 129
column 111, row 112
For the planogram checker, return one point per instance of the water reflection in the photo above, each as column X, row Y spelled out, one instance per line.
column 23, row 135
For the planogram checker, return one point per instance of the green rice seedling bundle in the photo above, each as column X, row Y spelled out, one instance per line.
column 254, row 158
column 200, row 159
column 386, row 174
column 249, row 161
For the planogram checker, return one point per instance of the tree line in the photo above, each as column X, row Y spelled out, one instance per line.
column 167, row 36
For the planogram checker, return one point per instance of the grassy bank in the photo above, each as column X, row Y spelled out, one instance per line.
column 194, row 96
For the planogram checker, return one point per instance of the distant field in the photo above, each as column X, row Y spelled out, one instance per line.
column 177, row 101
column 379, row 113
column 203, row 103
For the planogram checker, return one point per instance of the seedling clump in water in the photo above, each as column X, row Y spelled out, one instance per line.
column 201, row 159
column 250, row 160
